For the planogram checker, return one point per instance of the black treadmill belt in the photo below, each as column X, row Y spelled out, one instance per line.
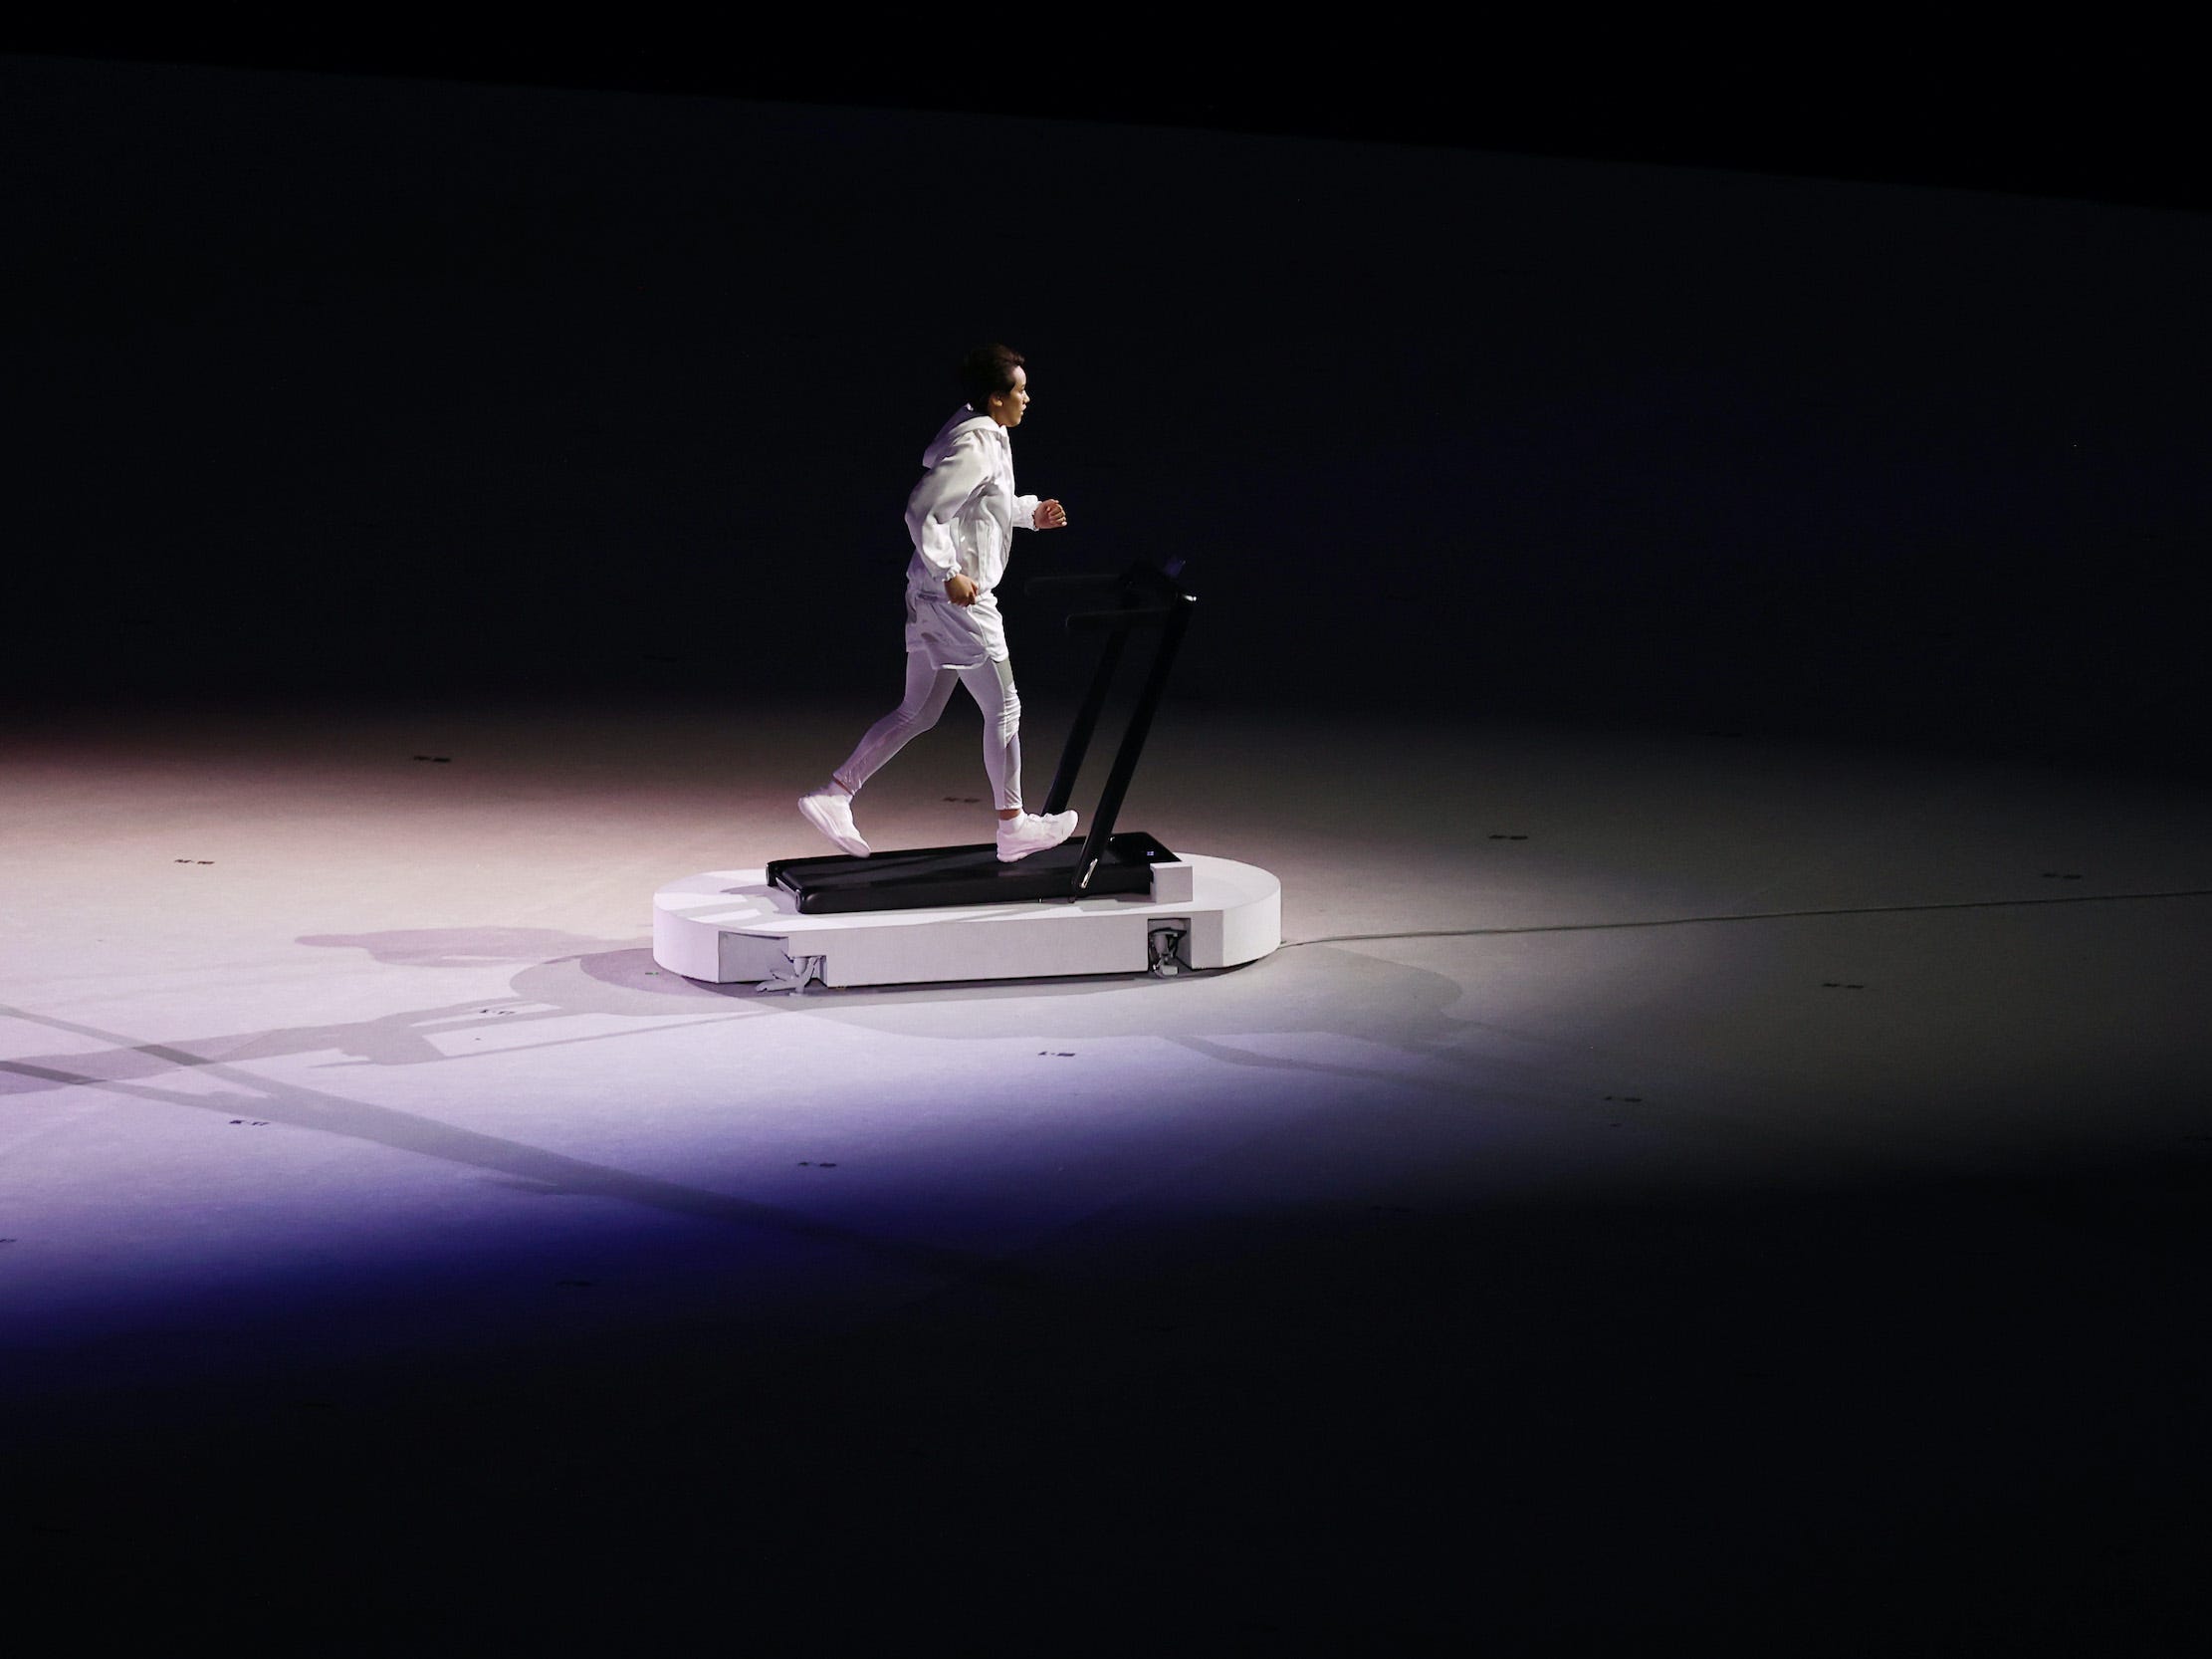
column 916, row 878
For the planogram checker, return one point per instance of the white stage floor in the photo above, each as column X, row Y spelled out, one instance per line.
column 339, row 1082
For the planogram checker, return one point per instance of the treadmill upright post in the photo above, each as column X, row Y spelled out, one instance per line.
column 1086, row 722
column 1177, row 617
column 1079, row 735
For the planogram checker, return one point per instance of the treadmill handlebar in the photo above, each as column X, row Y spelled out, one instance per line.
column 1092, row 622
column 1054, row 584
column 1140, row 579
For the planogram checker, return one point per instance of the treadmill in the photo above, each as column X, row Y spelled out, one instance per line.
column 1147, row 599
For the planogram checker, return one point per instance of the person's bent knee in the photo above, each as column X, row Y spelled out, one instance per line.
column 919, row 717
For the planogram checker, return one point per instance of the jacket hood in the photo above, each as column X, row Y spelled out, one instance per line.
column 963, row 418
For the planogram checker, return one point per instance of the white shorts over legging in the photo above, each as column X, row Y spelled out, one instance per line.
column 928, row 689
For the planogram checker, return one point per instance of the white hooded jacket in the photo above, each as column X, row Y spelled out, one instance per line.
column 962, row 514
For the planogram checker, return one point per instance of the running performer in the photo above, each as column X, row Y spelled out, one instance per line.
column 962, row 517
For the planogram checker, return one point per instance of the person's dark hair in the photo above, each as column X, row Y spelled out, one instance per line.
column 985, row 372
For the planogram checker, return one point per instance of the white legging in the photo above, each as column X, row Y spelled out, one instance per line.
column 928, row 690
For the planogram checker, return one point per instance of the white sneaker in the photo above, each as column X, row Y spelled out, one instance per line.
column 1020, row 836
column 831, row 812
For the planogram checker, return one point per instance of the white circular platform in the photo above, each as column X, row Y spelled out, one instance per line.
column 731, row 927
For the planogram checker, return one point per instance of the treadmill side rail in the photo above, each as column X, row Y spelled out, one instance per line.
column 949, row 876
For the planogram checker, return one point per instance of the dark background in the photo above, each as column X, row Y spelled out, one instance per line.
column 423, row 381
